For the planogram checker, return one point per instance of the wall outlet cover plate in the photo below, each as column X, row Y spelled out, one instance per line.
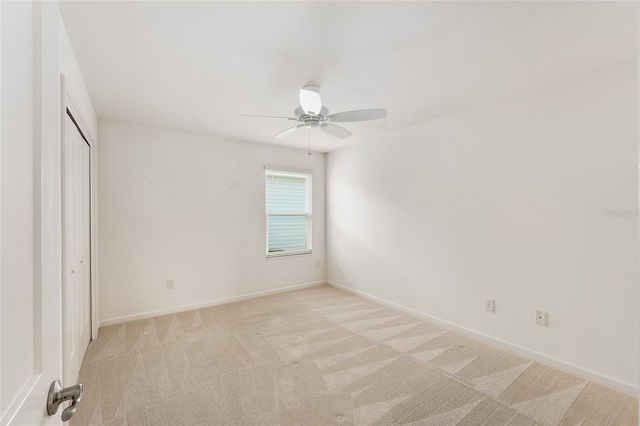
column 490, row 305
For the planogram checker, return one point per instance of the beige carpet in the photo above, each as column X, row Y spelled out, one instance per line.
column 324, row 356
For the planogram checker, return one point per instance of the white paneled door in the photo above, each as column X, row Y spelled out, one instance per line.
column 77, row 249
column 30, row 212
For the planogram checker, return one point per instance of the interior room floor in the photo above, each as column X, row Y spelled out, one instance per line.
column 324, row 356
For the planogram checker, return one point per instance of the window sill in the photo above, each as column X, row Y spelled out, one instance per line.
column 277, row 255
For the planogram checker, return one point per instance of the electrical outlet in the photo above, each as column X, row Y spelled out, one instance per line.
column 317, row 263
column 490, row 305
column 541, row 318
column 169, row 284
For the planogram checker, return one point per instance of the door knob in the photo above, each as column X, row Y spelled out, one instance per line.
column 58, row 394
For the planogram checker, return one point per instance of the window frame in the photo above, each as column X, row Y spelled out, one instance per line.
column 308, row 214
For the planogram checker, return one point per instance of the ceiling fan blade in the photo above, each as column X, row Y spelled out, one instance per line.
column 310, row 100
column 337, row 131
column 358, row 115
column 267, row 116
column 288, row 131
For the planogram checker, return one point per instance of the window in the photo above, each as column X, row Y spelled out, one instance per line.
column 288, row 207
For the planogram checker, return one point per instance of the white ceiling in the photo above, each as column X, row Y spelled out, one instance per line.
column 195, row 65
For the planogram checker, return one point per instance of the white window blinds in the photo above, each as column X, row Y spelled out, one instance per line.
column 288, row 208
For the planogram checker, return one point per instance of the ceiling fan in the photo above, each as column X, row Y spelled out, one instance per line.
column 312, row 114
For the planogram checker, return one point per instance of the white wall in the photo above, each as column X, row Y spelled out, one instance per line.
column 76, row 86
column 508, row 202
column 187, row 207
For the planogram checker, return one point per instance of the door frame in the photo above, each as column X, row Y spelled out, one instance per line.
column 69, row 103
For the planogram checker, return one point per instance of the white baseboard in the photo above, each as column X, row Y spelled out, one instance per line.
column 183, row 308
column 621, row 385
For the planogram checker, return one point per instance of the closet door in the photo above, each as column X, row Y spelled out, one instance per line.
column 77, row 213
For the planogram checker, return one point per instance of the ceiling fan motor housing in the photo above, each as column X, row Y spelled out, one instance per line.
column 311, row 121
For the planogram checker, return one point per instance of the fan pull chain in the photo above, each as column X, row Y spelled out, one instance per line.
column 309, row 153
